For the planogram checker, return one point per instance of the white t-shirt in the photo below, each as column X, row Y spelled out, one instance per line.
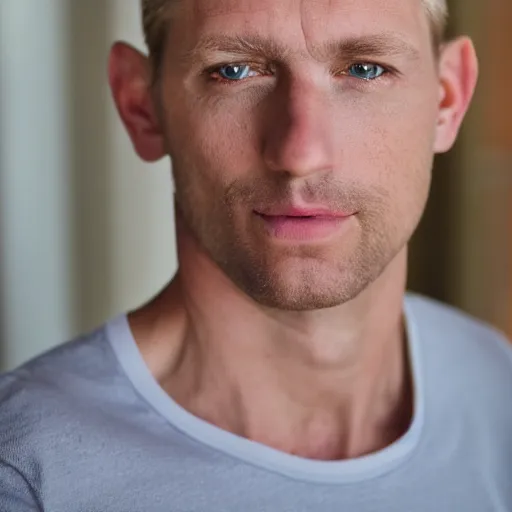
column 86, row 428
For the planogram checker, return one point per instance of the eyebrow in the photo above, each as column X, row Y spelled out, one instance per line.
column 236, row 45
column 379, row 45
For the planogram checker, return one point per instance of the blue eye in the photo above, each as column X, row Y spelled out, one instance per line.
column 234, row 72
column 366, row 71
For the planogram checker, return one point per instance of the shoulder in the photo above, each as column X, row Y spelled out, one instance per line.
column 466, row 377
column 57, row 370
column 459, row 349
column 455, row 328
column 43, row 401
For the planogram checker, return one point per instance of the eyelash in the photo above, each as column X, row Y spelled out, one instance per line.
column 345, row 72
column 224, row 81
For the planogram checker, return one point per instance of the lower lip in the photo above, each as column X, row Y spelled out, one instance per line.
column 303, row 228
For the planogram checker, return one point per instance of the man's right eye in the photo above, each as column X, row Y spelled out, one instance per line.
column 233, row 73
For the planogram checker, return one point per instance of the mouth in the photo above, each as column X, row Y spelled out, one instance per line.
column 303, row 224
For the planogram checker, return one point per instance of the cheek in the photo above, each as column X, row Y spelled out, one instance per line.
column 387, row 140
column 216, row 142
column 387, row 146
column 211, row 150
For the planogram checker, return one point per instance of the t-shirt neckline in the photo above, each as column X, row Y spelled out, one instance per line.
column 264, row 457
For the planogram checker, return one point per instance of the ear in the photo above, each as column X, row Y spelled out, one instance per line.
column 130, row 81
column 458, row 73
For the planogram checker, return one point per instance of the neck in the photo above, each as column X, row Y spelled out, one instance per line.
column 327, row 384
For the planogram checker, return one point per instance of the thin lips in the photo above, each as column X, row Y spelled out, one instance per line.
column 303, row 212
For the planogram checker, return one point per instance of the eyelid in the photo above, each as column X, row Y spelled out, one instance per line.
column 234, row 62
column 264, row 69
column 258, row 67
column 388, row 70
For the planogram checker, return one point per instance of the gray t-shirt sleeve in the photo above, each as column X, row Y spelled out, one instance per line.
column 16, row 495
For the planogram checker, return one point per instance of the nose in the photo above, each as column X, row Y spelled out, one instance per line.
column 298, row 136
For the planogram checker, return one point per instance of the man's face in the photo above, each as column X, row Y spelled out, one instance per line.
column 302, row 137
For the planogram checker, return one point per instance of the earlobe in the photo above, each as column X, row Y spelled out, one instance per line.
column 130, row 83
column 458, row 72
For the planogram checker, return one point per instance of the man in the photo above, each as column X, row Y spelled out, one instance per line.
column 284, row 368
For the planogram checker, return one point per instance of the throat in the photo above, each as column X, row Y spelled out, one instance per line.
column 330, row 436
column 267, row 383
column 323, row 425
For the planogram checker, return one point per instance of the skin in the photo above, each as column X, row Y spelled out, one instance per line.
column 297, row 344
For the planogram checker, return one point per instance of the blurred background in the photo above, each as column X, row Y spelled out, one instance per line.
column 86, row 229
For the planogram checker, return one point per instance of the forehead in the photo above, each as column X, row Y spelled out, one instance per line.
column 314, row 19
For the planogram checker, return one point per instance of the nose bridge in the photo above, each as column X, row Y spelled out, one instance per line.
column 298, row 138
column 308, row 107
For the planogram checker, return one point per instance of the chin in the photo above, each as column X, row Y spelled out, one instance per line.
column 305, row 286
column 299, row 303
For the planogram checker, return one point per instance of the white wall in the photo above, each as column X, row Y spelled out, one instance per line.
column 34, row 184
column 86, row 229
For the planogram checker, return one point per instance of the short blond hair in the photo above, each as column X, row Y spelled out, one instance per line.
column 155, row 17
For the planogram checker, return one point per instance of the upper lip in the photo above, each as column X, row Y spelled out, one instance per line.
column 292, row 211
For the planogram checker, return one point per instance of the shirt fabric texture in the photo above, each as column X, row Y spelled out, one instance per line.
column 86, row 428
